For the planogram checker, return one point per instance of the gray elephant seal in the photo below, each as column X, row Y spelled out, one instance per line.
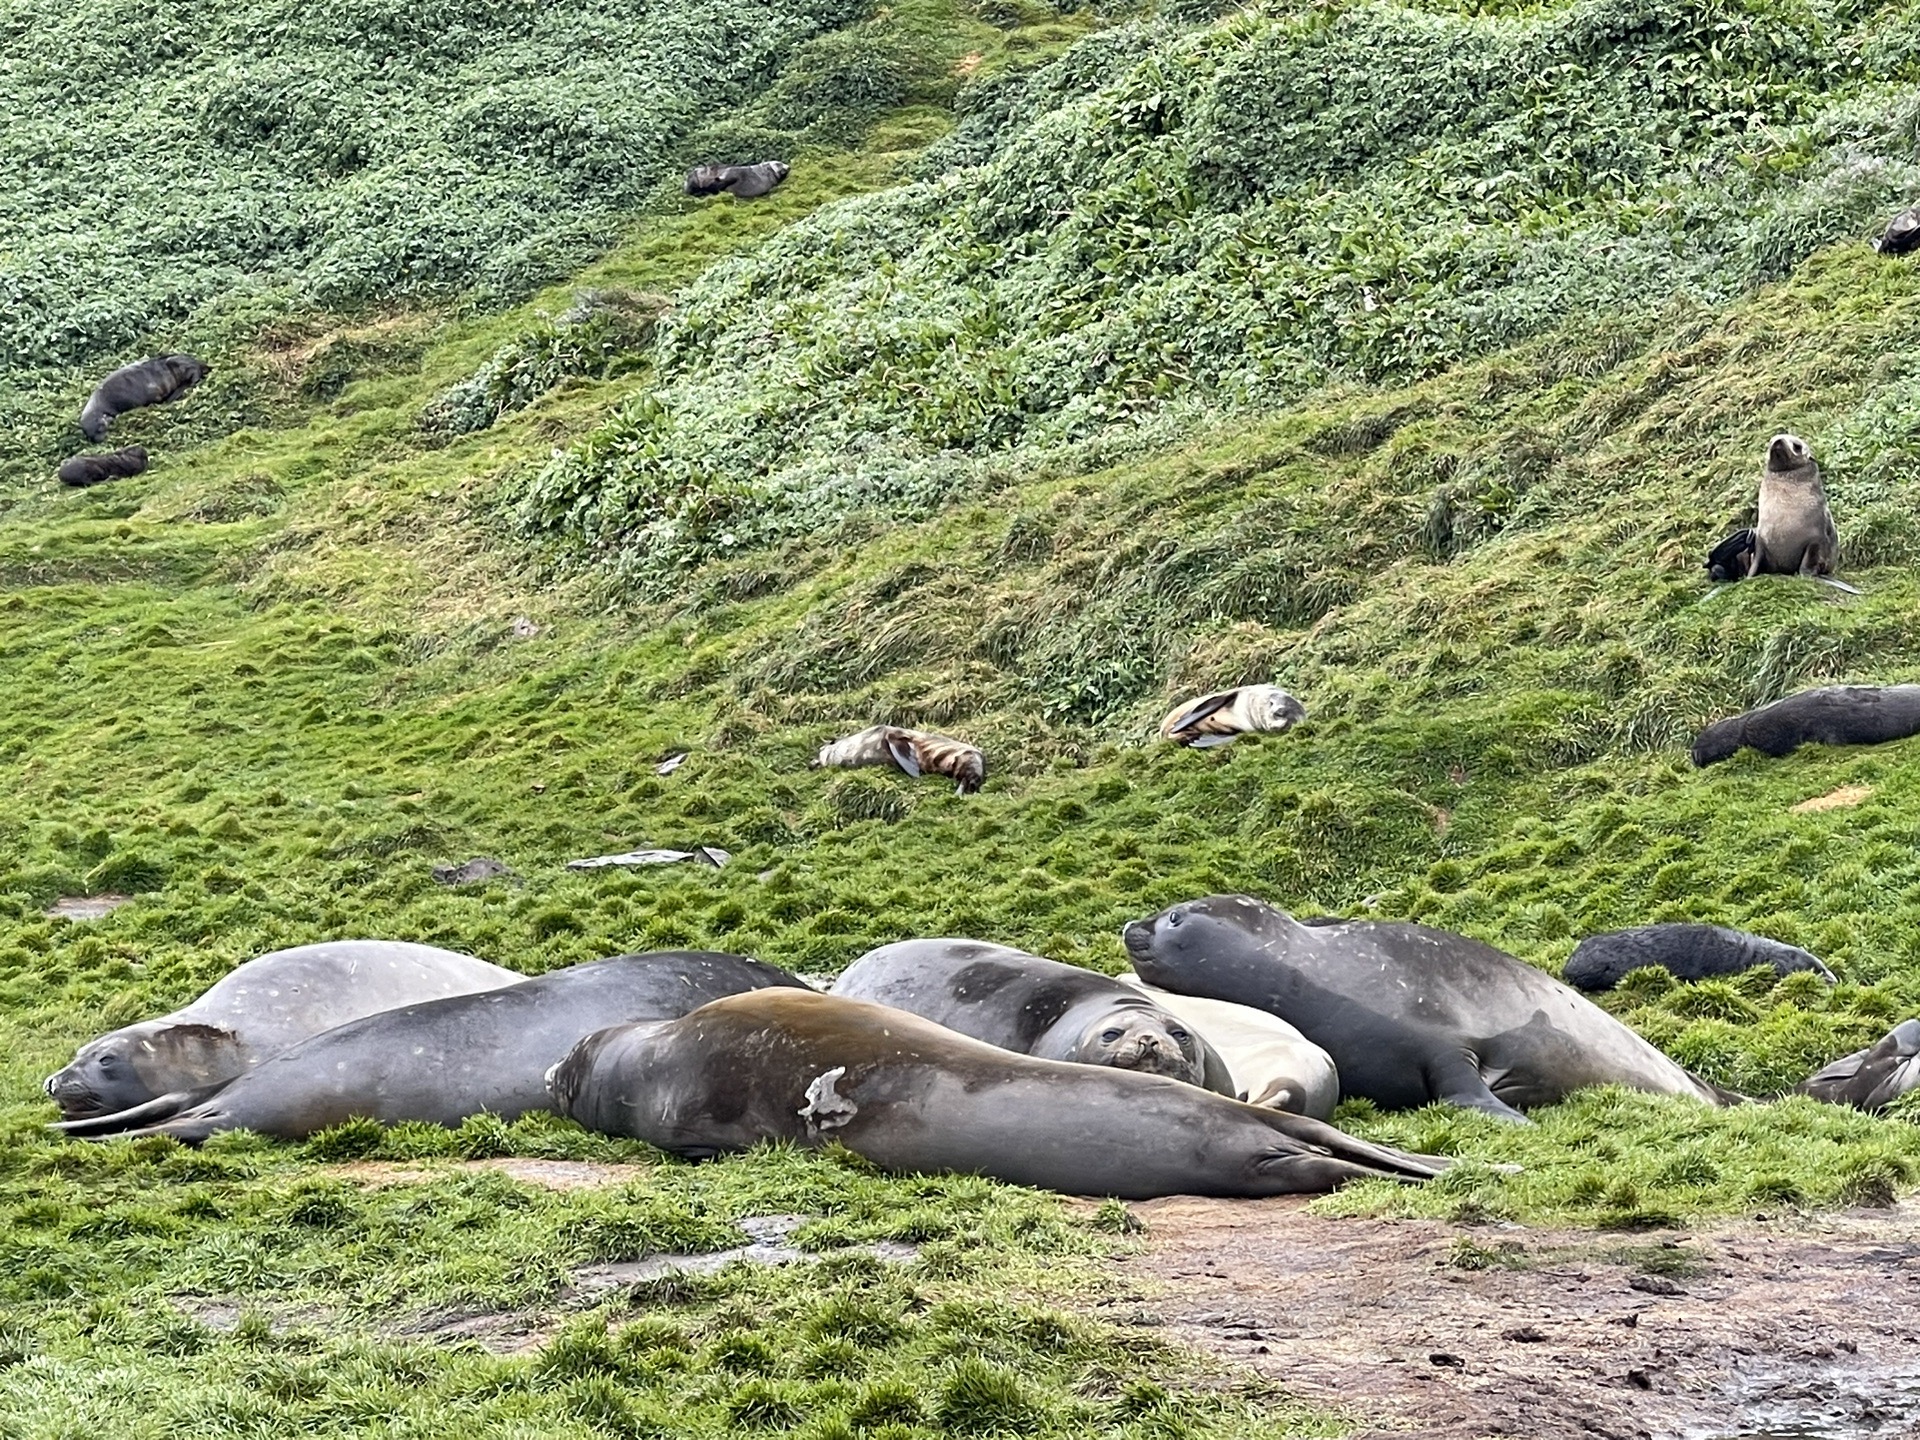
column 912, row 752
column 444, row 1060
column 1032, row 1006
column 258, row 1009
column 1794, row 534
column 1691, row 952
column 80, row 471
column 1271, row 1062
column 1221, row 718
column 1830, row 715
column 1873, row 1078
column 915, row 1098
column 1409, row 1014
column 152, row 381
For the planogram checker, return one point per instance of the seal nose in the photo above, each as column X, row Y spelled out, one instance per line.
column 47, row 1084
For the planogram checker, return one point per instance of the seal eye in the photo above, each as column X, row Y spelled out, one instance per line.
column 1174, row 917
column 1107, row 1037
column 105, row 1062
column 1180, row 1037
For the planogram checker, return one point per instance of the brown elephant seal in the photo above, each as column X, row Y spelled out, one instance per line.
column 152, row 381
column 1271, row 1062
column 1409, row 1014
column 1689, row 952
column 916, row 1098
column 1032, row 1006
column 1873, row 1078
column 258, row 1009
column 1794, row 534
column 912, row 752
column 83, row 470
column 1219, row 718
column 443, row 1060
column 1829, row 715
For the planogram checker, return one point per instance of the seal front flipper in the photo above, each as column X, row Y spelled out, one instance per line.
column 1200, row 709
column 1458, row 1081
column 125, row 1122
column 901, row 748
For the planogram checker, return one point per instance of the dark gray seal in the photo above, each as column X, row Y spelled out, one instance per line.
column 1873, row 1078
column 152, row 381
column 916, row 1098
column 258, row 1009
column 1830, row 715
column 1037, row 1007
column 1409, row 1014
column 1692, row 952
column 80, row 471
column 445, row 1060
column 1730, row 559
column 1902, row 234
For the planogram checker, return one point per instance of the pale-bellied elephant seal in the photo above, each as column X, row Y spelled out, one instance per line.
column 1902, row 233
column 1873, row 1078
column 1830, row 715
column 914, row 1097
column 83, row 470
column 1271, row 1062
column 1730, row 559
column 1691, row 952
column 258, row 1009
column 912, row 752
column 1794, row 534
column 1409, row 1014
column 152, row 381
column 1217, row 719
column 444, row 1060
column 1036, row 1007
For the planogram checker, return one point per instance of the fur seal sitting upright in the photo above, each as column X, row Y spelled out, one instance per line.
column 915, row 1098
column 1409, row 1014
column 1902, row 233
column 152, row 381
column 1690, row 952
column 913, row 752
column 1271, row 1062
column 1217, row 719
column 258, row 1009
column 1032, row 1006
column 1731, row 558
column 1794, row 534
column 1873, row 1078
column 1829, row 715
column 83, row 470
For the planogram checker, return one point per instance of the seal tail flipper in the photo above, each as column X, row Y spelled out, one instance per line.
column 1351, row 1158
column 122, row 1122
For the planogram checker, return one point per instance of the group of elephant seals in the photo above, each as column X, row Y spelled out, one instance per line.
column 1794, row 534
column 1409, row 1014
column 913, row 1097
column 1270, row 1061
column 1829, row 715
column 744, row 182
column 1032, row 1006
column 1873, row 1078
column 444, row 1060
column 80, row 471
column 1219, row 718
column 1690, row 952
column 152, row 381
column 257, row 1010
column 912, row 752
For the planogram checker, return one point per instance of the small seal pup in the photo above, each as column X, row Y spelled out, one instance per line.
column 1794, row 534
column 1217, row 719
column 1902, row 233
column 152, row 381
column 1730, row 559
column 916, row 1098
column 1409, row 1014
column 258, row 1009
column 1690, row 952
column 83, row 470
column 1271, row 1062
column 1873, row 1078
column 1032, row 1006
column 1828, row 715
column 913, row 752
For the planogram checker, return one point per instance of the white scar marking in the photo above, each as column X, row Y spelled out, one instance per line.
column 826, row 1110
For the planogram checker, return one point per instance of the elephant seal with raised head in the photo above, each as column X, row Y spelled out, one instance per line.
column 1409, row 1014
column 1873, row 1078
column 1690, row 952
column 1794, row 533
column 916, row 1098
column 1829, row 715
column 444, row 1060
column 80, row 471
column 152, row 381
column 1271, row 1062
column 1032, row 1006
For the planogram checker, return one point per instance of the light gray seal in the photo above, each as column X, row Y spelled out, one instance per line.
column 258, row 1009
column 916, row 1098
column 1873, row 1078
column 1271, row 1062
column 1794, row 533
column 1036, row 1007
column 1409, row 1014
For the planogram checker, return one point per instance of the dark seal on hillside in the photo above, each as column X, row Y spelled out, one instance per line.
column 82, row 470
column 1691, row 952
column 1730, row 559
column 1830, row 715
column 152, row 381
column 744, row 182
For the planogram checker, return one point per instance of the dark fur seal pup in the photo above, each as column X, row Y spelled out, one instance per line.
column 915, row 1098
column 704, row 180
column 1902, row 233
column 1038, row 1007
column 1830, row 715
column 258, row 1009
column 1692, row 952
column 913, row 752
column 1794, row 534
column 1409, row 1014
column 83, row 470
column 1731, row 558
column 145, row 382
column 1216, row 719
column 447, row 1059
column 1873, row 1078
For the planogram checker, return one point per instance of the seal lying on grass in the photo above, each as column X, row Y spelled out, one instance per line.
column 152, row 381
column 80, row 471
column 745, row 182
column 912, row 752
column 1830, row 715
column 1219, row 718
column 913, row 1097
column 1873, row 1078
column 1271, row 1062
column 1731, row 558
column 1692, row 952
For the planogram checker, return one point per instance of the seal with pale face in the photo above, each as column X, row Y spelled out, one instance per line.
column 1271, row 1062
column 1794, row 533
column 1221, row 718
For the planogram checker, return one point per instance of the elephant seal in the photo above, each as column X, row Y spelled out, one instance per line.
column 83, row 470
column 1032, row 1006
column 1829, row 715
column 1691, row 952
column 256, row 1010
column 1271, row 1062
column 915, row 1098
column 1409, row 1014
column 152, row 381
column 1873, row 1078
column 1730, row 559
column 443, row 1060
column 1219, row 718
column 1794, row 534
column 912, row 752
column 1902, row 233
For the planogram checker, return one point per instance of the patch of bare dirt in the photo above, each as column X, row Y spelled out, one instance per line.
column 1562, row 1333
column 1833, row 800
column 87, row 907
column 553, row 1174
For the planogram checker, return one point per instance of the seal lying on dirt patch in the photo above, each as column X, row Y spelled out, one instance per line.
column 1830, row 715
column 913, row 1097
column 80, row 471
column 447, row 1059
column 913, row 752
column 1409, row 1014
column 1217, row 719
column 258, row 1009
column 153, row 381
column 1692, row 952
column 1873, row 1078
column 1037, row 1007
column 1271, row 1062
